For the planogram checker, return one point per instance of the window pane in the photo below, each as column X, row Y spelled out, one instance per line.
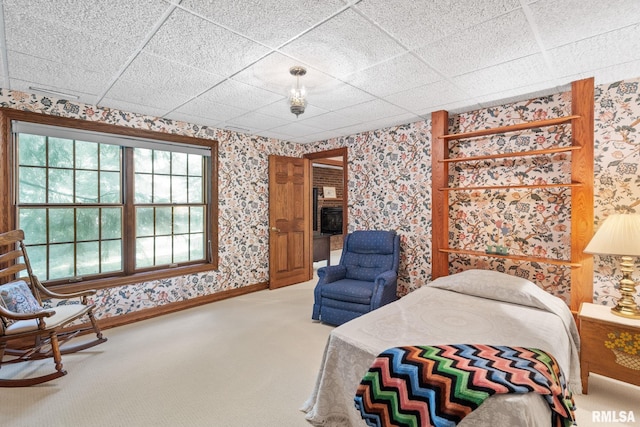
column 60, row 153
column 181, row 220
column 179, row 163
column 144, row 222
column 195, row 165
column 32, row 182
column 161, row 162
column 86, row 187
column 34, row 224
column 161, row 189
column 144, row 188
column 181, row 248
column 60, row 186
column 88, row 224
column 163, row 221
column 86, row 155
column 61, row 261
column 163, row 250
column 61, row 225
column 87, row 259
column 179, row 189
column 143, row 160
column 38, row 260
column 110, row 187
column 32, row 150
column 195, row 190
column 196, row 246
column 111, row 256
column 111, row 222
column 109, row 157
column 197, row 219
column 145, row 247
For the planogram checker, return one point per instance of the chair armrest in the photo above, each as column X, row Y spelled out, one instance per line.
column 386, row 277
column 26, row 316
column 385, row 289
column 49, row 293
column 331, row 273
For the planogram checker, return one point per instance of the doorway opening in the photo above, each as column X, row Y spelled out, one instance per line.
column 329, row 202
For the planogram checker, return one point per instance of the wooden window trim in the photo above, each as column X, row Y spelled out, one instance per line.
column 7, row 199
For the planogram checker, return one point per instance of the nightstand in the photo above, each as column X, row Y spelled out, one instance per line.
column 607, row 345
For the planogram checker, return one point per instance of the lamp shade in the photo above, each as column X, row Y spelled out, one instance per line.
column 619, row 234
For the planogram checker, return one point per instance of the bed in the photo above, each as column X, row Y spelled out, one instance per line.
column 472, row 307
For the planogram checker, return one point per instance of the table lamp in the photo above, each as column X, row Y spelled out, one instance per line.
column 619, row 235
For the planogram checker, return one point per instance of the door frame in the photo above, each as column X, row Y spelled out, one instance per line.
column 336, row 152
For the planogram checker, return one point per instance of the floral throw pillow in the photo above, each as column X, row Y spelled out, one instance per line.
column 17, row 297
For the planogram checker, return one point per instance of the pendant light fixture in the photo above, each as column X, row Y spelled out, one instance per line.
column 297, row 95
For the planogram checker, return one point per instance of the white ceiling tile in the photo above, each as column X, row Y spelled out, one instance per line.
column 63, row 45
column 166, row 75
column 567, row 21
column 52, row 75
column 295, row 129
column 504, row 76
column 330, row 120
column 214, row 111
column 343, row 45
column 482, row 46
column 422, row 99
column 271, row 22
column 395, row 75
column 335, row 95
column 371, row 110
column 417, row 23
column 257, row 121
column 240, row 95
column 142, row 94
column 615, row 47
column 122, row 22
column 199, row 43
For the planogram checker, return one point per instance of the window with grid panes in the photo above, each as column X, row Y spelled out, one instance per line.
column 93, row 206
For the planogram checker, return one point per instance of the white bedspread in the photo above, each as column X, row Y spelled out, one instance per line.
column 431, row 316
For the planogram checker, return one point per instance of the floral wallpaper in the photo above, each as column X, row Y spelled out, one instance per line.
column 390, row 188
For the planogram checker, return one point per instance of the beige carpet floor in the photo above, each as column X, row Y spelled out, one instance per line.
column 243, row 362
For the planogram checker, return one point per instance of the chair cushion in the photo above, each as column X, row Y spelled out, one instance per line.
column 371, row 242
column 349, row 290
column 64, row 314
column 17, row 297
column 368, row 253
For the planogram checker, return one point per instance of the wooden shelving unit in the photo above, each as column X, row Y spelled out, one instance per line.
column 581, row 120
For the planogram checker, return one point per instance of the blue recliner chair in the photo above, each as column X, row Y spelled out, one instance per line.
column 365, row 279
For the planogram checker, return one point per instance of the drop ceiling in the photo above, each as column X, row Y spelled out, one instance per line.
column 370, row 63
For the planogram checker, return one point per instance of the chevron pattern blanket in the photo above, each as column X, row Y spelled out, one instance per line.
column 438, row 386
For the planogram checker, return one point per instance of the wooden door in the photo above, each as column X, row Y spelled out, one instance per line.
column 289, row 221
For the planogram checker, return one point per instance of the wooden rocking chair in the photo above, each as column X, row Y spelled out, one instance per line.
column 24, row 320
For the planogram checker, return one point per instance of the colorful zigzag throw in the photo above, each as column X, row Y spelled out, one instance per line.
column 438, row 386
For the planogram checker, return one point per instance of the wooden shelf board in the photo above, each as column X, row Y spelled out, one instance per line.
column 498, row 187
column 514, row 257
column 510, row 128
column 514, row 154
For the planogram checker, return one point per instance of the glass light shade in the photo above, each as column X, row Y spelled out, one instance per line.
column 619, row 235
